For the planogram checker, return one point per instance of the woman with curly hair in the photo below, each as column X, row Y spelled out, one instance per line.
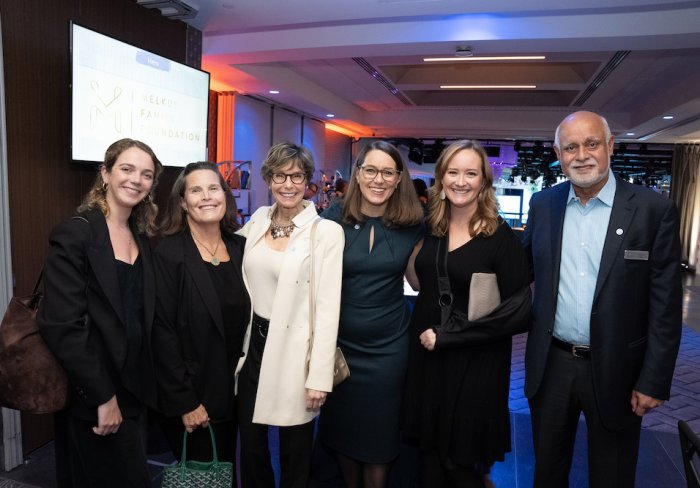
column 96, row 317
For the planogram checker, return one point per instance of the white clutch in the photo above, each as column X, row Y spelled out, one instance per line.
column 484, row 296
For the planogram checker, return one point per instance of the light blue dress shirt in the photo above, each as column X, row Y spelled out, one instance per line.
column 582, row 243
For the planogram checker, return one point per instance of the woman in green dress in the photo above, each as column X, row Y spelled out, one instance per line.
column 382, row 220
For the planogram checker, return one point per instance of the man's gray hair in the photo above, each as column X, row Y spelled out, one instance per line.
column 606, row 128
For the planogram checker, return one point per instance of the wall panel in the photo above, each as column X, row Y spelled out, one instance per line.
column 252, row 136
column 286, row 126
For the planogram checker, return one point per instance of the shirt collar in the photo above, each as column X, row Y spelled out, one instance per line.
column 606, row 194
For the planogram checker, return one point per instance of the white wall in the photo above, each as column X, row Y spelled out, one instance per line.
column 286, row 126
column 258, row 125
column 10, row 421
column 252, row 123
column 315, row 140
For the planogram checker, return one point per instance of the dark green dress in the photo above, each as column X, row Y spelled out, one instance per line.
column 361, row 416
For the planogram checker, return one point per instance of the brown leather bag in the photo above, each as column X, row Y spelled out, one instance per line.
column 31, row 380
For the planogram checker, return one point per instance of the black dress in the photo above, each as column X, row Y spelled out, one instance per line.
column 456, row 399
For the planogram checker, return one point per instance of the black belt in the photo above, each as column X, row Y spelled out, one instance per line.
column 261, row 324
column 581, row 352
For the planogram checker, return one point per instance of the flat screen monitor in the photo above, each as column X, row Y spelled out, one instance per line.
column 120, row 90
column 510, row 206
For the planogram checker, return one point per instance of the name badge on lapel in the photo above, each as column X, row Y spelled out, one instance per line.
column 636, row 255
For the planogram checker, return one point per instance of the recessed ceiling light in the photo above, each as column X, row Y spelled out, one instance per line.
column 486, row 58
column 228, row 5
column 274, row 92
column 630, row 134
column 488, row 87
column 330, row 116
column 668, row 117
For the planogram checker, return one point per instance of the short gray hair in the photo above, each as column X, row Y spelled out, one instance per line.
column 280, row 155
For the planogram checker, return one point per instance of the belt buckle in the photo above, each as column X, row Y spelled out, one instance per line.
column 580, row 351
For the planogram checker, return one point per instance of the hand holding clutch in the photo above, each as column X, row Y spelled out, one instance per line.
column 484, row 296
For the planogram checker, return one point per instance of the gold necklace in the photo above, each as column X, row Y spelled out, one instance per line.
column 278, row 230
column 214, row 260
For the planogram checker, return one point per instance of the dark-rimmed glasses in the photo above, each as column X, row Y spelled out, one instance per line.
column 296, row 178
column 370, row 172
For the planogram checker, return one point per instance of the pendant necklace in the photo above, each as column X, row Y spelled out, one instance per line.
column 277, row 230
column 214, row 260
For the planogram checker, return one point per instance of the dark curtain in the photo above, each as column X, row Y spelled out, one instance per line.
column 685, row 175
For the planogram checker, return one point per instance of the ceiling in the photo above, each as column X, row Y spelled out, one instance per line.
column 633, row 61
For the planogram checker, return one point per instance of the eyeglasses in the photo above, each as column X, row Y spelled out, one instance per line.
column 370, row 172
column 296, row 178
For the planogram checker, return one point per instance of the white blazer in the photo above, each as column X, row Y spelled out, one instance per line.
column 281, row 397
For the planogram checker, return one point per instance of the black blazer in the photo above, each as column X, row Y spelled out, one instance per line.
column 636, row 315
column 192, row 365
column 81, row 316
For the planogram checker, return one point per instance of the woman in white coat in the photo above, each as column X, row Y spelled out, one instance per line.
column 279, row 382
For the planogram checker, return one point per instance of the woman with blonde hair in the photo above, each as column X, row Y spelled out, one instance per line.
column 382, row 220
column 456, row 397
column 96, row 317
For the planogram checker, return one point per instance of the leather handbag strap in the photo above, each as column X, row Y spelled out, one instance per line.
column 38, row 282
column 445, row 298
column 215, row 453
column 312, row 287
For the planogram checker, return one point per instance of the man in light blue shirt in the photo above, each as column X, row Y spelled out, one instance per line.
column 585, row 225
column 605, row 258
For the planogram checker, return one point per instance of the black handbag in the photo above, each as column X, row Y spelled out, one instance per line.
column 198, row 474
column 31, row 380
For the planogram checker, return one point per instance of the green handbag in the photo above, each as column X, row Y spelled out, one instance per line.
column 197, row 474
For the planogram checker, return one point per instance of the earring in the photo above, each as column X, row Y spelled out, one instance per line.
column 442, row 194
column 104, row 187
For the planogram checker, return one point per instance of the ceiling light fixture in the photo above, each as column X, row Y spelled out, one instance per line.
column 330, row 116
column 488, row 87
column 668, row 117
column 484, row 58
column 274, row 92
column 630, row 134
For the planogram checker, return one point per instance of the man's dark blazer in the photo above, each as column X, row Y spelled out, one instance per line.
column 636, row 315
column 81, row 317
column 192, row 364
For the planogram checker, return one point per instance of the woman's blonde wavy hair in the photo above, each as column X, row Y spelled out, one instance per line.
column 146, row 211
column 485, row 219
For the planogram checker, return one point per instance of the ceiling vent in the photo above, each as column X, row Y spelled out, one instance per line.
column 384, row 81
column 171, row 9
column 602, row 76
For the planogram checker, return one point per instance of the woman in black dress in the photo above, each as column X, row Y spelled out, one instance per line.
column 96, row 317
column 456, row 398
column 202, row 312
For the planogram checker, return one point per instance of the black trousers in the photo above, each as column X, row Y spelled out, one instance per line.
column 87, row 460
column 295, row 442
column 565, row 392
